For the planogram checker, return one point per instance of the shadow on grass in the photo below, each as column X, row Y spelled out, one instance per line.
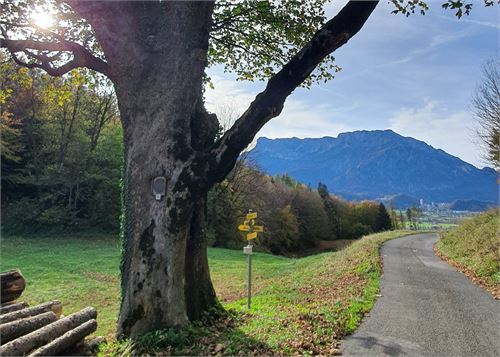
column 218, row 336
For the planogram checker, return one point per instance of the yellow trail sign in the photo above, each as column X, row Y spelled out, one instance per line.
column 259, row 229
column 252, row 235
column 250, row 216
column 244, row 228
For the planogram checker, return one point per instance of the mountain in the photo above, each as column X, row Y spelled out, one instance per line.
column 471, row 205
column 375, row 165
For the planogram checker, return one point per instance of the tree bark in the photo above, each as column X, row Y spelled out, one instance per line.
column 13, row 307
column 14, row 329
column 54, row 306
column 158, row 82
column 12, row 285
column 67, row 340
column 200, row 294
column 40, row 337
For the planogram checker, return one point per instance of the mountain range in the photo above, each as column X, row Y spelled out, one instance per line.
column 376, row 164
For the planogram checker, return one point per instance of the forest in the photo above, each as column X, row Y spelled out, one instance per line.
column 62, row 162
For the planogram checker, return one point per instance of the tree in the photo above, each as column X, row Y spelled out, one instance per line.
column 332, row 212
column 285, row 234
column 413, row 214
column 486, row 103
column 366, row 212
column 10, row 133
column 395, row 223
column 384, row 222
column 311, row 217
column 416, row 213
column 155, row 53
column 409, row 216
column 221, row 216
column 61, row 151
column 402, row 220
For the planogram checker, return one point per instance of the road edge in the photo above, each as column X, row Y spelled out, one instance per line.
column 468, row 272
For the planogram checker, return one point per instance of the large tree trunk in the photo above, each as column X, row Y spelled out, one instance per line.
column 159, row 89
column 200, row 294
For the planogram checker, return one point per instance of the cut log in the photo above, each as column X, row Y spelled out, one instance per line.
column 14, row 329
column 13, row 307
column 67, row 340
column 44, row 335
column 93, row 344
column 12, row 285
column 54, row 306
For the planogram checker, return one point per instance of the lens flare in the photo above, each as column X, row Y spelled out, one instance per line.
column 42, row 19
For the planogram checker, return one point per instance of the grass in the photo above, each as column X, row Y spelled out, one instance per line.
column 474, row 248
column 299, row 306
column 430, row 225
column 78, row 271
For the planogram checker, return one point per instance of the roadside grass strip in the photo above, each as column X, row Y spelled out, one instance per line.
column 473, row 248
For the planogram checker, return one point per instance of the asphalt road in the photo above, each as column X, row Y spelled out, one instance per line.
column 426, row 308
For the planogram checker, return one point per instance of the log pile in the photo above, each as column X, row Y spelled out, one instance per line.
column 40, row 330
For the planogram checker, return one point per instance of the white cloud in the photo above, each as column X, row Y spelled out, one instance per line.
column 228, row 95
column 436, row 41
column 483, row 23
column 302, row 120
column 451, row 131
column 299, row 118
column 475, row 22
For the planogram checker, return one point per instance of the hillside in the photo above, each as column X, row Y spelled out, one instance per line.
column 471, row 205
column 473, row 249
column 376, row 164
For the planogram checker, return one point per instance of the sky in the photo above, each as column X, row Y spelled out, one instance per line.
column 415, row 75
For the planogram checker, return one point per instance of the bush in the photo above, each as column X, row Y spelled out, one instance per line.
column 359, row 229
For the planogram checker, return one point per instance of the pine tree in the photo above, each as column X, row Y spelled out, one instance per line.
column 383, row 219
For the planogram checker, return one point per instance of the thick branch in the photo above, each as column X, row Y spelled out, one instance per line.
column 81, row 56
column 269, row 103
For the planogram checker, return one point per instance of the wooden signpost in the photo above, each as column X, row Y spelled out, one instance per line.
column 252, row 229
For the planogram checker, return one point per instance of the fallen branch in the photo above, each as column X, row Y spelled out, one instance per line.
column 67, row 340
column 12, row 330
column 44, row 335
column 54, row 306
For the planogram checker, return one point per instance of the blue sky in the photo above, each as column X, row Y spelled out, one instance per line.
column 413, row 75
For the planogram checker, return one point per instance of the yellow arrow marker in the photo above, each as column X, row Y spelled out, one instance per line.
column 258, row 229
column 244, row 228
column 252, row 235
column 252, row 215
